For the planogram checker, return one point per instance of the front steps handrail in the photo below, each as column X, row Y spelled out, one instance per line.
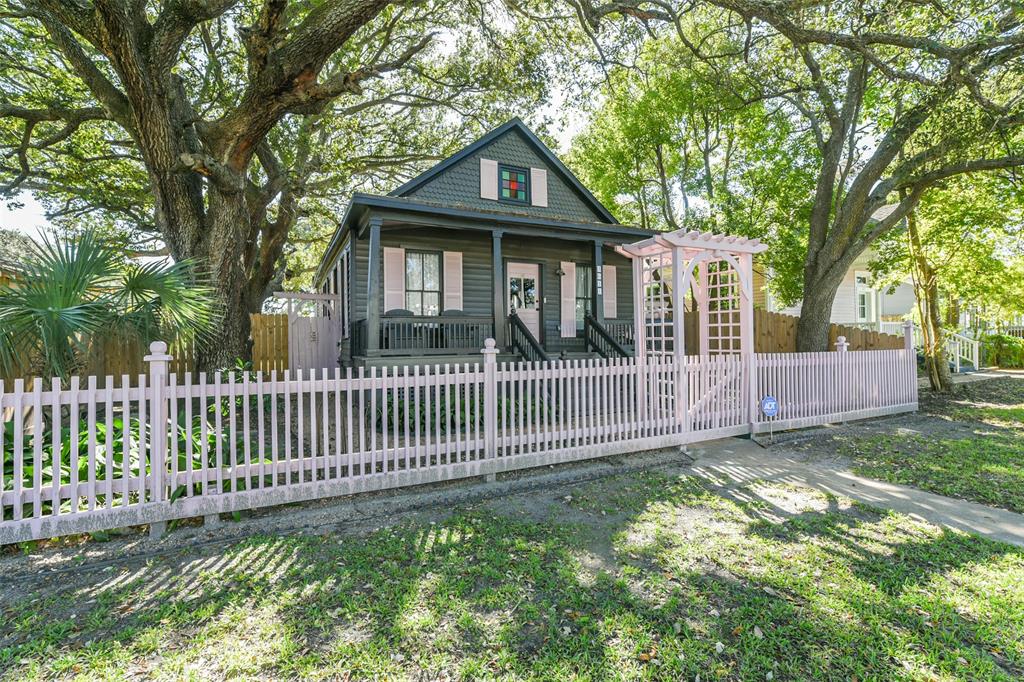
column 596, row 337
column 523, row 341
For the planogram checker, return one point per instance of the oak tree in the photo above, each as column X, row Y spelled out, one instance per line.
column 896, row 97
column 215, row 130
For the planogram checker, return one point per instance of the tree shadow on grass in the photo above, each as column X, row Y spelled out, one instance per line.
column 494, row 592
column 908, row 575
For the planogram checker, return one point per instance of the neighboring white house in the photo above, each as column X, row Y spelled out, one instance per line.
column 858, row 301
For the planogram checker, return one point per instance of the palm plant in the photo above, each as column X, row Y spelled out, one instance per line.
column 73, row 292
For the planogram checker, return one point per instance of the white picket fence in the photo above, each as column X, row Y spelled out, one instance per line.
column 163, row 447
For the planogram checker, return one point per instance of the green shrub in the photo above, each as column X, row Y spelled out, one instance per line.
column 1003, row 350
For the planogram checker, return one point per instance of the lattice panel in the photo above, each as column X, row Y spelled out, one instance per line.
column 722, row 286
column 657, row 277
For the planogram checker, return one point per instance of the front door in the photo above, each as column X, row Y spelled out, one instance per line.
column 524, row 294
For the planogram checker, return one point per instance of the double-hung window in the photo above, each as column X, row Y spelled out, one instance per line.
column 423, row 282
column 865, row 297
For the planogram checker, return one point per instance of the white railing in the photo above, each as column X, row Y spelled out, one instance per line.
column 162, row 447
column 894, row 328
column 961, row 348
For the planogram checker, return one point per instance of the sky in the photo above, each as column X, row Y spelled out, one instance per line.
column 29, row 219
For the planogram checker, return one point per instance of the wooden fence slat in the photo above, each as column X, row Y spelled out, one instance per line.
column 776, row 333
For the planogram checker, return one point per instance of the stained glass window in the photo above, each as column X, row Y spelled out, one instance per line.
column 512, row 184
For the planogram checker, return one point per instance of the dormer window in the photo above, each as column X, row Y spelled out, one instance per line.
column 513, row 184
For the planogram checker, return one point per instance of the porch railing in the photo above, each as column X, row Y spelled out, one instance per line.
column 960, row 348
column 421, row 335
column 621, row 331
column 599, row 339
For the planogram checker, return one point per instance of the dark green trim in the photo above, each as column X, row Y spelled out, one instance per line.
column 416, row 206
column 498, row 294
column 373, row 286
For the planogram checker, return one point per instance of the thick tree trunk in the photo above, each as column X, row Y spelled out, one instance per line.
column 953, row 313
column 936, row 363
column 220, row 250
column 812, row 330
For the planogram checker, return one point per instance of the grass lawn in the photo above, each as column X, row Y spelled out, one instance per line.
column 652, row 575
column 978, row 454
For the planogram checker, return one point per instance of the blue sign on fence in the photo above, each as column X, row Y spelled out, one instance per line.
column 769, row 406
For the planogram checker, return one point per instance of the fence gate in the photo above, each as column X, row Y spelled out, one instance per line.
column 313, row 330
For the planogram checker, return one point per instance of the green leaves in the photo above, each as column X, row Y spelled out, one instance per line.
column 75, row 291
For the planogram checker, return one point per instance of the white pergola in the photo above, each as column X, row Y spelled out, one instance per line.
column 698, row 272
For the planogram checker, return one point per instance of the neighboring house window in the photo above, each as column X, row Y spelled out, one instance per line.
column 423, row 282
column 865, row 298
column 584, row 292
column 513, row 184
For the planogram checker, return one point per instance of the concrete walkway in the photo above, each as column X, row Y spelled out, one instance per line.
column 980, row 375
column 735, row 462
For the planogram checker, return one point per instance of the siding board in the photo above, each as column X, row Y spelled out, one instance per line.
column 460, row 184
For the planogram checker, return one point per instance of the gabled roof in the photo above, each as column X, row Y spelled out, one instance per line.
column 542, row 149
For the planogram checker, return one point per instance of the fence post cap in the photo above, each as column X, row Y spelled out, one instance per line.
column 489, row 346
column 157, row 352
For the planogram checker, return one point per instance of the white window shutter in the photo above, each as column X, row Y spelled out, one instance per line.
column 394, row 278
column 568, row 298
column 539, row 186
column 452, row 280
column 611, row 290
column 488, row 179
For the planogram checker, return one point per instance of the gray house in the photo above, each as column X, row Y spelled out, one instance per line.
column 500, row 240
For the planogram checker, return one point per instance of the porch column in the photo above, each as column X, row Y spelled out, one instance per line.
column 598, row 285
column 498, row 268
column 373, row 304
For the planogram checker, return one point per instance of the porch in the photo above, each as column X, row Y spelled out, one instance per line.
column 401, row 335
column 413, row 282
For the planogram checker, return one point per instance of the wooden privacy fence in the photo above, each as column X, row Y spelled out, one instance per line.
column 84, row 458
column 776, row 333
column 116, row 356
column 269, row 342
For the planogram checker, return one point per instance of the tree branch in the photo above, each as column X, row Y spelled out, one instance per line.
column 175, row 22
